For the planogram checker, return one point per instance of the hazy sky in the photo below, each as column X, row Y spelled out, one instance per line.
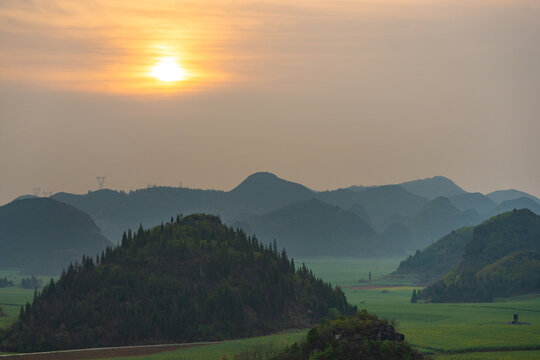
column 325, row 93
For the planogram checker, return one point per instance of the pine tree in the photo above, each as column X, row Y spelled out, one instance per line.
column 414, row 297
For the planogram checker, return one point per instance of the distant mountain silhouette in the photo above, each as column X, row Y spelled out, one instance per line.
column 262, row 192
column 504, row 195
column 437, row 218
column 397, row 238
column 42, row 235
column 115, row 211
column 23, row 197
column 476, row 201
column 314, row 228
column 433, row 187
column 381, row 202
column 521, row 203
column 360, row 211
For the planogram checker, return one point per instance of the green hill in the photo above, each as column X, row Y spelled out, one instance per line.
column 42, row 235
column 438, row 258
column 314, row 228
column 492, row 255
column 190, row 280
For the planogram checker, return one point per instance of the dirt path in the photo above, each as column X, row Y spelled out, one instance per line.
column 101, row 353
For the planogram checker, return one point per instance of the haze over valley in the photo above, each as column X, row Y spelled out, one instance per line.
column 269, row 180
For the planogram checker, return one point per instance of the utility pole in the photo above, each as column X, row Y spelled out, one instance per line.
column 101, row 180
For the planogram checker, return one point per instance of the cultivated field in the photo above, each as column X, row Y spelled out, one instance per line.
column 12, row 298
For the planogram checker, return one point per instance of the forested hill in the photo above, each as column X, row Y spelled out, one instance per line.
column 437, row 259
column 189, row 280
column 42, row 235
column 502, row 258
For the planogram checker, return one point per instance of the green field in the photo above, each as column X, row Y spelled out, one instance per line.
column 12, row 298
column 446, row 331
column 502, row 355
column 436, row 328
column 228, row 348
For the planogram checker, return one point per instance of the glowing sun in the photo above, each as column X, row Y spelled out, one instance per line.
column 168, row 69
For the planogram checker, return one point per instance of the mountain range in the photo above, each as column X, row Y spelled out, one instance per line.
column 359, row 221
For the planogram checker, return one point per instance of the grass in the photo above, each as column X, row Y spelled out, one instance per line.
column 227, row 349
column 501, row 355
column 12, row 298
column 352, row 271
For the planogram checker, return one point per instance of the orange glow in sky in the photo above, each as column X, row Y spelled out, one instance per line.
column 168, row 69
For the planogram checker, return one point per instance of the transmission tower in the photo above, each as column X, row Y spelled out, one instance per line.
column 36, row 191
column 101, row 180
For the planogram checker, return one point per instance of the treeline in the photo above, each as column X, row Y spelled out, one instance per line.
column 31, row 283
column 5, row 282
column 189, row 280
column 26, row 283
column 361, row 336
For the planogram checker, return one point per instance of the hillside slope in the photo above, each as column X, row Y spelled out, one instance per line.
column 438, row 258
column 314, row 228
column 186, row 281
column 42, row 235
column 498, row 243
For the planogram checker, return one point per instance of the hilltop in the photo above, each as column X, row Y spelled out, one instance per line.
column 500, row 259
column 433, row 187
column 42, row 235
column 189, row 280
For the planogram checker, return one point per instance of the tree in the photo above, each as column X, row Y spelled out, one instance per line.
column 414, row 298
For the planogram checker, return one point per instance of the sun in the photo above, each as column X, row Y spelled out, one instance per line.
column 168, row 69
